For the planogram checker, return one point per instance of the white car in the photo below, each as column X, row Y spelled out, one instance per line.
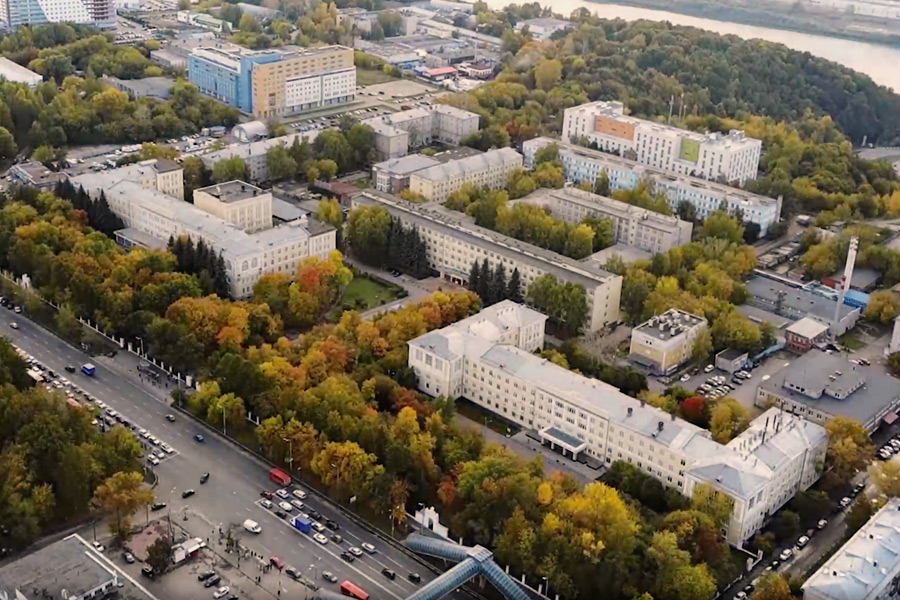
column 368, row 547
column 299, row 494
column 153, row 460
column 786, row 554
column 685, row 377
column 285, row 506
column 317, row 526
column 169, row 449
column 845, row 502
column 320, row 538
column 803, row 541
column 145, row 434
column 282, row 493
column 222, row 592
column 354, row 551
column 266, row 503
column 98, row 546
column 252, row 526
column 708, row 368
column 298, row 505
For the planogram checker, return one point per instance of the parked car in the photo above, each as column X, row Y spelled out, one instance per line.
column 187, row 493
column 212, row 581
column 785, row 554
column 128, row 557
column 205, row 575
column 708, row 368
column 277, row 563
column 846, row 501
column 222, row 592
column 329, row 577
column 822, row 524
column 803, row 541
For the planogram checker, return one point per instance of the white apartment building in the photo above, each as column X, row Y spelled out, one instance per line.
column 867, row 567
column 454, row 242
column 16, row 73
column 392, row 176
column 731, row 158
column 490, row 169
column 152, row 217
column 665, row 342
column 237, row 202
column 583, row 164
column 254, row 153
column 422, row 126
column 632, row 225
column 488, row 359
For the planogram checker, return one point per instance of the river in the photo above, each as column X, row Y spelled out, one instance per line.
column 881, row 63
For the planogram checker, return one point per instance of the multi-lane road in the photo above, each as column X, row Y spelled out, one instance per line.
column 232, row 493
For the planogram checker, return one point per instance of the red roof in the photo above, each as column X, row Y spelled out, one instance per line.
column 440, row 71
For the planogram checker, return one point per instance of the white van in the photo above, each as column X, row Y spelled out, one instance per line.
column 252, row 526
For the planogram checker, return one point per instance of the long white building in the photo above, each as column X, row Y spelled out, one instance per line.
column 151, row 217
column 454, row 242
column 632, row 225
column 396, row 133
column 584, row 164
column 731, row 158
column 490, row 169
column 488, row 359
column 254, row 153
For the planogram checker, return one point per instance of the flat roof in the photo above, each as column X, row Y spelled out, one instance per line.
column 670, row 324
column 815, row 366
column 285, row 211
column 16, row 73
column 233, row 191
column 868, row 560
column 500, row 156
column 137, row 237
column 795, row 300
column 405, row 164
column 808, row 328
column 67, row 565
column 731, row 354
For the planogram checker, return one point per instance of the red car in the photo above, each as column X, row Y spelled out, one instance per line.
column 267, row 494
column 276, row 562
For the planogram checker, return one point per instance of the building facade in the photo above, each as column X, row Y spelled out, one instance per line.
column 583, row 164
column 819, row 386
column 490, row 169
column 98, row 13
column 729, row 158
column 665, row 342
column 392, row 176
column 152, row 217
column 801, row 336
column 489, row 359
column 237, row 202
column 254, row 153
column 867, row 567
column 276, row 82
column 421, row 127
column 632, row 225
column 454, row 242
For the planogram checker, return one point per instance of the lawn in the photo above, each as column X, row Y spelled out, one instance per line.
column 364, row 293
column 372, row 77
column 851, row 342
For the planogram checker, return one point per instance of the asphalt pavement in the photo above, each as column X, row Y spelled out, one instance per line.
column 237, row 477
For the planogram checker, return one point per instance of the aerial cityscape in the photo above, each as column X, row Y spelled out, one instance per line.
column 425, row 299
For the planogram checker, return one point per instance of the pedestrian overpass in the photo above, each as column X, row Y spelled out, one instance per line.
column 471, row 562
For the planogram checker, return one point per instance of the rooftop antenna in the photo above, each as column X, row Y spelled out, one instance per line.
column 845, row 281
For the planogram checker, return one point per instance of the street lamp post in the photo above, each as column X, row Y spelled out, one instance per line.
column 290, row 460
column 546, row 587
column 142, row 344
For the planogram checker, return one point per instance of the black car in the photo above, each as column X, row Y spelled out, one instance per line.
column 388, row 573
column 157, row 506
column 314, row 514
column 204, row 478
column 414, row 577
column 337, row 539
column 187, row 493
column 212, row 581
column 281, row 514
column 147, row 572
column 70, row 369
column 348, row 557
column 205, row 575
column 199, row 438
column 332, row 525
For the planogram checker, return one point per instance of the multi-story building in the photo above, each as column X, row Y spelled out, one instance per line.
column 254, row 153
column 786, row 298
column 98, row 13
column 583, row 164
column 802, row 335
column 421, row 126
column 153, row 217
column 867, row 567
column 275, row 82
column 666, row 341
column 237, row 202
column 489, row 360
column 35, row 174
column 392, row 176
column 819, row 386
column 491, row 170
column 632, row 225
column 729, row 158
column 16, row 73
column 454, row 242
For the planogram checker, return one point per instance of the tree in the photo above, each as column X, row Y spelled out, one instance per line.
column 346, row 468
column 721, row 225
column 727, row 419
column 886, row 478
column 514, row 287
column 849, row 448
column 772, row 587
column 785, row 525
column 547, row 73
column 327, row 169
column 367, row 233
column 710, row 501
column 8, row 147
column 68, row 323
column 121, row 495
column 281, row 165
column 883, row 307
column 159, row 555
column 676, row 578
column 229, row 169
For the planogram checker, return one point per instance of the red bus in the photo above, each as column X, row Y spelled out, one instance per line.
column 280, row 477
column 348, row 588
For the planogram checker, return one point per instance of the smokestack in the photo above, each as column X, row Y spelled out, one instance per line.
column 845, row 281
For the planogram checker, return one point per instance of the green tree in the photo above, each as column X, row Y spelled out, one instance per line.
column 676, row 578
column 547, row 73
column 886, row 478
column 159, row 555
column 229, row 169
column 121, row 495
column 883, row 307
column 772, row 587
column 280, row 163
column 68, row 323
column 8, row 147
column 713, row 503
column 367, row 233
column 849, row 448
column 727, row 419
